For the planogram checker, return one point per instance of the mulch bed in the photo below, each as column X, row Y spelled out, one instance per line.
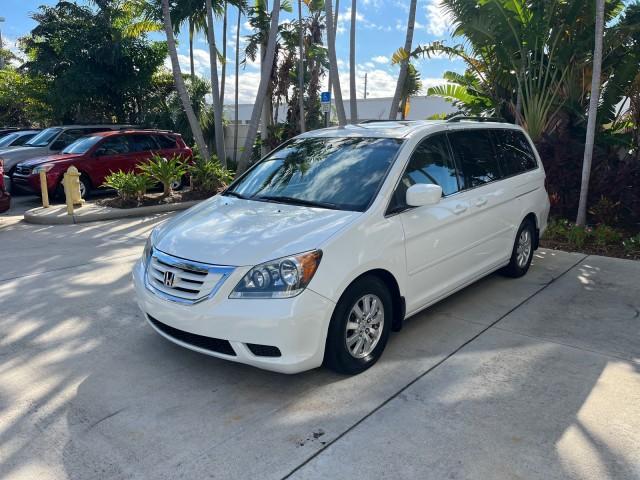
column 616, row 251
column 154, row 199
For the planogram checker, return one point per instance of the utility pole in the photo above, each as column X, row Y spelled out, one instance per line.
column 365, row 86
column 1, row 56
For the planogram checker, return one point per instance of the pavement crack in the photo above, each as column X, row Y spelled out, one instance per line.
column 107, row 417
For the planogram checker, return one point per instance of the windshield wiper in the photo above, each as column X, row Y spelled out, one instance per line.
column 231, row 193
column 296, row 201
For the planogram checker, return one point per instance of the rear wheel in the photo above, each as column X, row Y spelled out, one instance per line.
column 522, row 252
column 359, row 327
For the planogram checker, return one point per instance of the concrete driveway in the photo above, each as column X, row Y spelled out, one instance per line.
column 530, row 378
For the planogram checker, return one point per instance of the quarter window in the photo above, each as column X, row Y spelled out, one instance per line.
column 515, row 151
column 166, row 142
column 475, row 157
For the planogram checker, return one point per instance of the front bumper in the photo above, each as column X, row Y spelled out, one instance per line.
column 296, row 326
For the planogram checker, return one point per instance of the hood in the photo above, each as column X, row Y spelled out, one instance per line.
column 232, row 231
column 13, row 156
column 33, row 162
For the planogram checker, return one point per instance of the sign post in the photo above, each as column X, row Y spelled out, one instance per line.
column 325, row 103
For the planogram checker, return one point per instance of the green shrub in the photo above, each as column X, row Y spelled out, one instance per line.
column 632, row 245
column 164, row 171
column 208, row 176
column 557, row 229
column 577, row 235
column 128, row 186
column 605, row 235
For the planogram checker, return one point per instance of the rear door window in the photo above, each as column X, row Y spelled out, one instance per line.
column 142, row 143
column 475, row 157
column 515, row 152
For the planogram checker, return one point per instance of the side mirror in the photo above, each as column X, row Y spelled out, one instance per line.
column 423, row 194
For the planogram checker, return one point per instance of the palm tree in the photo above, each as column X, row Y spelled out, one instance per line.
column 235, row 101
column 353, row 101
column 412, row 86
column 395, row 103
column 265, row 76
column 333, row 65
column 593, row 112
column 179, row 81
column 215, row 91
column 301, row 68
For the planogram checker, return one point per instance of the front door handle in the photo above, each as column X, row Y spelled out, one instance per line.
column 481, row 201
column 460, row 208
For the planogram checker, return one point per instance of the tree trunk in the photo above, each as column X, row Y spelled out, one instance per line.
column 333, row 65
column 395, row 103
column 224, row 54
column 215, row 92
column 265, row 78
column 329, row 80
column 267, row 109
column 235, row 101
column 593, row 112
column 191, row 61
column 179, row 81
column 301, row 69
column 353, row 98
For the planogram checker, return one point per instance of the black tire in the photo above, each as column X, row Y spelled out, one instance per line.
column 518, row 266
column 337, row 356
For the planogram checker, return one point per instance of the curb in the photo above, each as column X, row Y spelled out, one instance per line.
column 58, row 215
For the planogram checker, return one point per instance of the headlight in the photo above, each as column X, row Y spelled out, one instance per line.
column 148, row 248
column 43, row 168
column 282, row 278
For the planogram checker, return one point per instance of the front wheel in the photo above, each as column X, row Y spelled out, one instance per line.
column 359, row 327
column 522, row 252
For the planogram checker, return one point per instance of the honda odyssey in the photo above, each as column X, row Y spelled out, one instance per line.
column 320, row 250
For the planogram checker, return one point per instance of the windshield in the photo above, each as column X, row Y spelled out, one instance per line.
column 82, row 145
column 343, row 173
column 44, row 138
column 6, row 141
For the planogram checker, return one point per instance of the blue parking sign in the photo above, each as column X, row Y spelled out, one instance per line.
column 325, row 97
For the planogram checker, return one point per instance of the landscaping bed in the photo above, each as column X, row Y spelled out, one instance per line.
column 150, row 199
column 593, row 240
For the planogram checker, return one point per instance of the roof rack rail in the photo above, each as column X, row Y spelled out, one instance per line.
column 460, row 118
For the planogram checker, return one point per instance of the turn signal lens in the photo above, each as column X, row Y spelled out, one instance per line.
column 281, row 278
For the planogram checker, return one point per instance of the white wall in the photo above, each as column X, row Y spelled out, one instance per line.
column 422, row 107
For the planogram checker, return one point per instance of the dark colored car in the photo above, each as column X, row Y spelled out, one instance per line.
column 96, row 156
column 5, row 198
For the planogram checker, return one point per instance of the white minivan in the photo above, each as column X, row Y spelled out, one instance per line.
column 321, row 249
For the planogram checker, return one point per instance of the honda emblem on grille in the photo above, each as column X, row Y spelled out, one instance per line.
column 169, row 277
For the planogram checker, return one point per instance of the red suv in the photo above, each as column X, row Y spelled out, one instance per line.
column 96, row 156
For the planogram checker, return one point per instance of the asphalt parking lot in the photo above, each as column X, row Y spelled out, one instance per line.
column 531, row 378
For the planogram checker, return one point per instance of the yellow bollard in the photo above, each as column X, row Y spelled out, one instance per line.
column 66, row 183
column 43, row 189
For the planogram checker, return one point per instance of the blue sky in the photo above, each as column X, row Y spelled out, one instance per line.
column 380, row 31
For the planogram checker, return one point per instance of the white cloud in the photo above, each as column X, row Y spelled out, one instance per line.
column 438, row 20
column 381, row 59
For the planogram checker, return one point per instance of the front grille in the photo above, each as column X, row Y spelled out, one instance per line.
column 182, row 280
column 23, row 170
column 264, row 350
column 208, row 343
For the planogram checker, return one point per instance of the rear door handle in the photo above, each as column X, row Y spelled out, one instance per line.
column 460, row 208
column 481, row 201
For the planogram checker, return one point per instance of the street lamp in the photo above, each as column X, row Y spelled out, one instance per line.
column 1, row 56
